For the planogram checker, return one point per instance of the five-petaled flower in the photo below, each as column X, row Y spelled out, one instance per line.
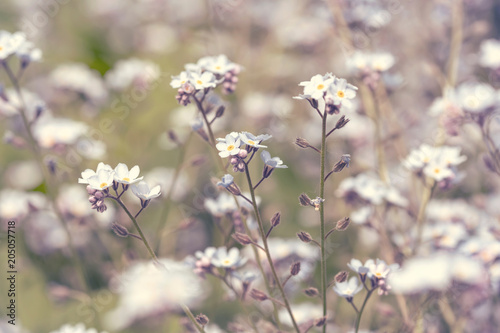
column 229, row 146
column 125, row 176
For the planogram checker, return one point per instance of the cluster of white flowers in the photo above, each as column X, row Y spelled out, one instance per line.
column 132, row 72
column 361, row 63
column 370, row 190
column 16, row 44
column 438, row 163
column 204, row 262
column 330, row 92
column 207, row 73
column 149, row 289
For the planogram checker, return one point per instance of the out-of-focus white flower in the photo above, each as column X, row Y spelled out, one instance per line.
column 24, row 175
column 302, row 313
column 490, row 54
column 32, row 104
column 78, row 328
column 203, row 80
column 348, row 289
column 45, row 234
column 132, row 72
column 371, row 190
column 101, row 180
column 361, row 62
column 14, row 204
column 50, row 132
column 142, row 191
column 147, row 289
column 91, row 149
column 10, row 43
column 361, row 215
column 224, row 204
column 80, row 79
column 476, row 97
column 164, row 177
column 228, row 259
column 181, row 79
column 357, row 266
column 125, row 176
column 27, row 53
column 218, row 65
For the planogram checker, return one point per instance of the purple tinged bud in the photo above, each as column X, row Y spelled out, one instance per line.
column 92, row 199
column 241, row 238
column 295, row 268
column 341, row 276
column 243, row 153
column 304, row 236
column 343, row 224
column 119, row 230
column 258, row 295
column 311, row 292
column 201, row 319
column 234, row 161
column 320, row 322
column 90, row 190
column 304, row 200
column 99, row 194
column 276, row 219
column 220, row 111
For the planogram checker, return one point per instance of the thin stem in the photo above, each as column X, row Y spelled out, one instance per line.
column 140, row 211
column 426, row 196
column 322, row 214
column 260, row 181
column 269, row 232
column 328, row 175
column 192, row 318
column 456, row 41
column 354, row 307
column 266, row 248
column 360, row 313
column 134, row 221
column 333, row 130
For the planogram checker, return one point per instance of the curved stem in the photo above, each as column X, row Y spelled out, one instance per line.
column 322, row 213
column 134, row 221
column 358, row 320
column 192, row 318
column 266, row 249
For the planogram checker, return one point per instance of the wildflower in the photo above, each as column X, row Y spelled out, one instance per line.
column 258, row 295
column 490, row 54
column 341, row 276
column 476, row 97
column 228, row 183
column 348, row 289
column 254, row 141
column 78, row 328
column 27, row 53
column 241, row 238
column 180, row 80
column 344, row 162
column 125, row 176
column 228, row 259
column 342, row 224
column 101, row 180
column 230, row 146
column 295, row 268
column 358, row 266
column 51, row 132
column 218, row 65
column 317, row 202
column 9, row 43
column 311, row 292
column 89, row 172
column 270, row 163
column 143, row 192
column 133, row 71
column 317, row 87
column 340, row 93
column 203, row 80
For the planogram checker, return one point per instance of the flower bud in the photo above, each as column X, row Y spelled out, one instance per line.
column 295, row 268
column 304, row 200
column 341, row 276
column 311, row 292
column 341, row 122
column 302, row 143
column 343, row 224
column 343, row 163
column 201, row 319
column 304, row 236
column 241, row 238
column 276, row 219
column 320, row 322
column 258, row 295
column 119, row 230
column 243, row 153
column 220, row 111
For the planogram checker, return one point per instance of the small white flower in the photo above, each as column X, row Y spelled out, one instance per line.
column 252, row 140
column 179, row 80
column 230, row 146
column 101, row 180
column 142, row 191
column 348, row 289
column 50, row 132
column 10, row 43
column 133, row 71
column 490, row 54
column 358, row 266
column 318, row 85
column 124, row 176
column 228, row 259
column 342, row 92
column 476, row 97
column 217, row 65
column 438, row 171
column 202, row 81
column 89, row 172
column 78, row 328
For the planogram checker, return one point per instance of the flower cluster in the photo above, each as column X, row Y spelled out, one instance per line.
column 334, row 92
column 105, row 177
column 16, row 44
column 207, row 261
column 207, row 73
column 437, row 163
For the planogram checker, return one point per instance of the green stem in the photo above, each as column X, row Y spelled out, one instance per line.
column 358, row 320
column 144, row 240
column 192, row 318
column 322, row 214
column 266, row 249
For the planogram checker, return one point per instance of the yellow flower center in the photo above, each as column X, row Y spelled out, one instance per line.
column 230, row 147
column 103, row 185
column 341, row 94
column 126, row 179
column 217, row 67
column 250, row 142
column 227, row 262
column 184, row 81
column 199, row 81
column 378, row 274
column 437, row 170
column 320, row 86
column 1, row 48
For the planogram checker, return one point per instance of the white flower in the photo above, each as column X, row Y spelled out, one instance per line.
column 381, row 62
column 124, row 176
column 342, row 92
column 50, row 132
column 360, row 62
column 202, row 81
column 228, row 259
column 217, row 65
column 379, row 269
column 179, row 80
column 101, row 180
column 252, row 140
column 490, row 54
column 230, row 146
column 476, row 97
column 27, row 52
column 273, row 162
column 348, row 289
column 438, row 171
column 318, row 85
column 89, row 172
column 221, row 206
column 147, row 289
column 142, row 191
column 10, row 43
column 78, row 328
column 133, row 71
column 31, row 104
column 358, row 266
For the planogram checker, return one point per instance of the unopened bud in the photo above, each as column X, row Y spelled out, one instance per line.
column 341, row 276
column 241, row 238
column 320, row 322
column 343, row 163
column 119, row 230
column 258, row 295
column 220, row 111
column 343, row 224
column 295, row 268
column 276, row 219
column 342, row 122
column 302, row 143
column 304, row 200
column 202, row 319
column 304, row 236
column 243, row 153
column 311, row 292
